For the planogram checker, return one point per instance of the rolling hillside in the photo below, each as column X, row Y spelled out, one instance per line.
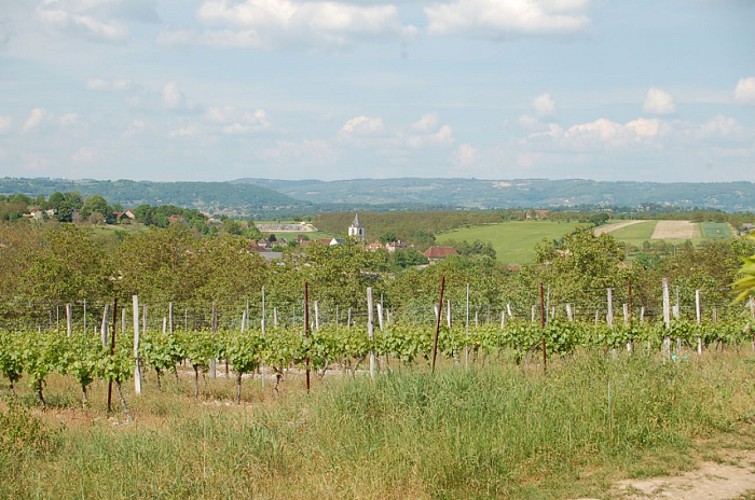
column 542, row 193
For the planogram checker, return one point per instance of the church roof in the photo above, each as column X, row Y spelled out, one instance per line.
column 356, row 221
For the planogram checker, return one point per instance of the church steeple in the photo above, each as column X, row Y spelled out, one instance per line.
column 356, row 229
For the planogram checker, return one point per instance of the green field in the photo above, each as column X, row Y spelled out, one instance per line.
column 636, row 234
column 715, row 230
column 514, row 242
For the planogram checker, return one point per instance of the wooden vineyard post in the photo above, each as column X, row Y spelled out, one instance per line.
column 371, row 332
column 437, row 321
column 466, row 330
column 542, row 327
column 381, row 325
column 69, row 319
column 263, row 369
column 317, row 316
column 569, row 313
column 448, row 314
column 137, row 367
column 104, row 325
column 666, row 319
column 170, row 317
column 85, row 315
column 306, row 330
column 699, row 317
column 630, row 344
column 112, row 353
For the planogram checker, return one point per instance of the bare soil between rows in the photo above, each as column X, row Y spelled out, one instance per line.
column 731, row 477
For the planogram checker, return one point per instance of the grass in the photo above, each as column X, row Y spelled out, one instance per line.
column 716, row 230
column 514, row 242
column 495, row 431
column 635, row 234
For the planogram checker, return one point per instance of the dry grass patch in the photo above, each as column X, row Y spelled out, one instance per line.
column 675, row 230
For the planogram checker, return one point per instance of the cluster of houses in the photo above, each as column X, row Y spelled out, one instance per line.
column 355, row 230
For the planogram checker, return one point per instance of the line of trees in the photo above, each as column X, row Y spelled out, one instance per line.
column 41, row 266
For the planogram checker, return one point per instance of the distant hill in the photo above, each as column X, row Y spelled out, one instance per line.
column 212, row 197
column 268, row 198
column 479, row 193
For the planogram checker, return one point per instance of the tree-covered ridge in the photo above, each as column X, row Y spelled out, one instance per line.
column 216, row 197
column 482, row 193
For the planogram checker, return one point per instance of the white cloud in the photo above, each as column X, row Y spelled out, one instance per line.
column 426, row 123
column 270, row 23
column 720, row 127
column 101, row 84
column 600, row 133
column 659, row 102
column 5, row 123
column 499, row 18
column 172, row 97
column 745, row 91
column 80, row 18
column 643, row 127
column 83, row 155
column 529, row 122
column 443, row 137
column 544, row 105
column 236, row 121
column 36, row 117
column 466, row 155
column 362, row 126
column 273, row 23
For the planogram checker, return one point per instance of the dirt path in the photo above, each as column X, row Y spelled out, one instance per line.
column 615, row 227
column 732, row 478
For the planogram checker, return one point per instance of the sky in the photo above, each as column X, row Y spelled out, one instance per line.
column 174, row 90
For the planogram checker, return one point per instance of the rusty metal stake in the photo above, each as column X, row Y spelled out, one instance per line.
column 437, row 320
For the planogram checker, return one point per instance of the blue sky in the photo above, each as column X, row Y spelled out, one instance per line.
column 291, row 89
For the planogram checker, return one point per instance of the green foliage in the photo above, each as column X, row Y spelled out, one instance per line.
column 745, row 285
column 81, row 357
column 199, row 347
column 161, row 352
column 96, row 205
column 11, row 357
column 242, row 350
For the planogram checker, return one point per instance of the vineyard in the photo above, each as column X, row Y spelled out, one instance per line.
column 85, row 357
